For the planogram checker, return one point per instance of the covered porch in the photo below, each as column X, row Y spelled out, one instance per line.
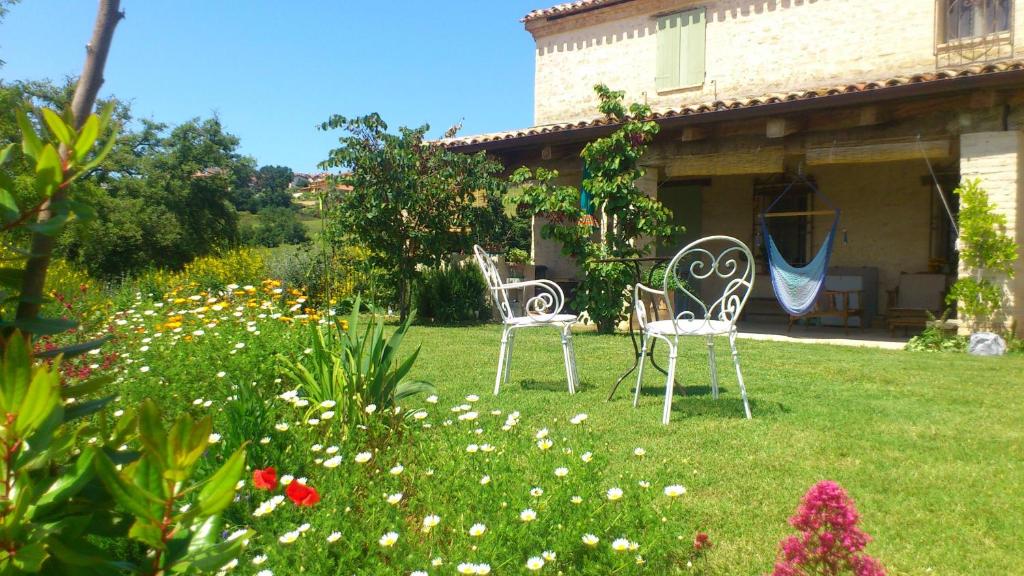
column 887, row 155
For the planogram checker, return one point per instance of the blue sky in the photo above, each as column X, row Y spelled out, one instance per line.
column 272, row 70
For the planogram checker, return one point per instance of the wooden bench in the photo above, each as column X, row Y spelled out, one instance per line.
column 835, row 304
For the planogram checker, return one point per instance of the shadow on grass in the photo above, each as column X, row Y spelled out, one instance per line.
column 550, row 385
column 699, row 402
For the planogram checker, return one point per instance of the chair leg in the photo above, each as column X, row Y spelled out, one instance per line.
column 670, row 382
column 739, row 375
column 713, row 367
column 508, row 356
column 567, row 358
column 572, row 360
column 640, row 372
column 501, row 360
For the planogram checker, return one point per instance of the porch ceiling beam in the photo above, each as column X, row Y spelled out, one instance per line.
column 764, row 161
column 782, row 127
column 938, row 149
column 694, row 133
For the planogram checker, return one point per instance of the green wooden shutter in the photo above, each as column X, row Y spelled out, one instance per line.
column 680, row 50
column 668, row 52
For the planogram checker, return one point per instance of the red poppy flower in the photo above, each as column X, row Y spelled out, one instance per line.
column 301, row 494
column 265, row 479
column 701, row 541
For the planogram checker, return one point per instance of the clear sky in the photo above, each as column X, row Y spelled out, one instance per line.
column 272, row 69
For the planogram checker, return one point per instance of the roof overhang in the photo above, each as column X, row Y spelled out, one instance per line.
column 992, row 76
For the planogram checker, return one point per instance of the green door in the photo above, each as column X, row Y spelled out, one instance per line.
column 684, row 200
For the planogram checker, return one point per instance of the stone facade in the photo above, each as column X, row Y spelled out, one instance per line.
column 753, row 48
column 996, row 159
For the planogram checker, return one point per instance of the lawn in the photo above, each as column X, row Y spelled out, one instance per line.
column 929, row 445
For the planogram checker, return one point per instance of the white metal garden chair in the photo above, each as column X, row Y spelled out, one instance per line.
column 709, row 261
column 543, row 308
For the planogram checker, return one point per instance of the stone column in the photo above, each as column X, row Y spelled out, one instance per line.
column 997, row 158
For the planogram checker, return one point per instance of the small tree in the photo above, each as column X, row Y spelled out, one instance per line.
column 985, row 250
column 410, row 201
column 625, row 214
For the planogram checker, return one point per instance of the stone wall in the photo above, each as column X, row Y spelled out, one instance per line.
column 996, row 158
column 753, row 48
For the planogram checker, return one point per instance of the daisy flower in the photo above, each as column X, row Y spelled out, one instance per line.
column 674, row 491
column 534, row 564
column 614, row 494
column 388, row 540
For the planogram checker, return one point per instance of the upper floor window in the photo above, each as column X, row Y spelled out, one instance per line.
column 972, row 31
column 970, row 19
column 680, row 50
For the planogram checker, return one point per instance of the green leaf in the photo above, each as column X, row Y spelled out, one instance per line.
column 70, row 482
column 5, row 153
column 49, row 173
column 58, row 128
column 8, row 205
column 99, row 157
column 86, row 137
column 406, row 389
column 151, row 432
column 77, row 552
column 30, row 558
column 83, row 409
column 51, row 226
column 147, row 533
column 219, row 490
column 41, row 326
column 42, row 397
column 127, row 495
column 31, row 145
column 68, row 351
column 205, row 554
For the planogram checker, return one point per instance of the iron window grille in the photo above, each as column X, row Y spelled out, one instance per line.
column 973, row 31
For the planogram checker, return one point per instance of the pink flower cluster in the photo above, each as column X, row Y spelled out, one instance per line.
column 830, row 543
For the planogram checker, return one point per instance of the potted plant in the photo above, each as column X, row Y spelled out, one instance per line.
column 519, row 265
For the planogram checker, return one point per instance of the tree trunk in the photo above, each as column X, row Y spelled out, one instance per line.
column 107, row 17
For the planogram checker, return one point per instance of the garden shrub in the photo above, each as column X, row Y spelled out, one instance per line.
column 830, row 542
column 354, row 372
column 450, row 294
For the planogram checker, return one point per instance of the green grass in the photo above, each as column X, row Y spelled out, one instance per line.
column 928, row 445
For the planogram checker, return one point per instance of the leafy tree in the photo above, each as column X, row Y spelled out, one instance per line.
column 985, row 251
column 624, row 213
column 411, row 199
column 162, row 201
column 275, row 226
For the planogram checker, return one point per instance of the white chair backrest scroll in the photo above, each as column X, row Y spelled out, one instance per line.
column 721, row 267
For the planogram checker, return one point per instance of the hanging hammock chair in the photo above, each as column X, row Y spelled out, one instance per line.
column 797, row 287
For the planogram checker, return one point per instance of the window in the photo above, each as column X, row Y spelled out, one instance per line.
column 680, row 50
column 969, row 19
column 973, row 31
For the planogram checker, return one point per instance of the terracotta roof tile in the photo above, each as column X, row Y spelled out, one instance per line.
column 567, row 8
column 703, row 108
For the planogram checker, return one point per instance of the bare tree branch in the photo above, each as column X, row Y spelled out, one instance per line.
column 107, row 17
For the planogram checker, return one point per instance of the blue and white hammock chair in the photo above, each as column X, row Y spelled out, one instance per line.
column 797, row 288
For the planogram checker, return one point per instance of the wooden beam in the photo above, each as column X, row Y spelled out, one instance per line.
column 694, row 133
column 882, row 152
column 801, row 213
column 545, row 153
column 763, row 161
column 781, row 127
column 871, row 116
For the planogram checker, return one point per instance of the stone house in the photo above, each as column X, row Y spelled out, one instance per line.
column 858, row 96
